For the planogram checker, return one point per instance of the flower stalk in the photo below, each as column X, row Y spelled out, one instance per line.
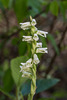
column 28, row 69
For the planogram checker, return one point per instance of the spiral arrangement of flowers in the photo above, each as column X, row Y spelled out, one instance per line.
column 28, row 69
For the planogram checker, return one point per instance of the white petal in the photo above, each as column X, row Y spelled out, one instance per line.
column 33, row 23
column 39, row 44
column 29, row 61
column 36, row 60
column 22, row 64
column 41, row 50
column 27, row 38
column 25, row 25
column 26, row 74
column 36, row 38
column 42, row 33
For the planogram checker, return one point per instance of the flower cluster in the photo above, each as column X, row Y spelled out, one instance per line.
column 37, row 46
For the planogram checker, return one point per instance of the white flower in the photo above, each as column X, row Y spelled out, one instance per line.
column 39, row 44
column 33, row 23
column 36, row 38
column 23, row 64
column 26, row 74
column 42, row 33
column 27, row 38
column 25, row 25
column 36, row 60
column 26, row 66
column 29, row 63
column 41, row 50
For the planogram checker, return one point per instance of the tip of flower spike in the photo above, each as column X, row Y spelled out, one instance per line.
column 33, row 23
column 30, row 18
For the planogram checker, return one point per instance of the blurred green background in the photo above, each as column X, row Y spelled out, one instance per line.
column 51, row 16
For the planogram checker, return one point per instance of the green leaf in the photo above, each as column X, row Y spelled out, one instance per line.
column 35, row 7
column 15, row 41
column 63, row 8
column 20, row 9
column 17, row 75
column 53, row 42
column 43, row 41
column 8, row 81
column 47, row 99
column 22, row 48
column 54, row 8
column 1, row 6
column 5, row 3
column 42, row 85
column 7, row 94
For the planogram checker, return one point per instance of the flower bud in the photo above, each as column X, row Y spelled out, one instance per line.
column 36, row 38
column 36, row 60
column 33, row 23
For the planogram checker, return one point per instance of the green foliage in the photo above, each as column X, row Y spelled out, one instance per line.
column 54, row 8
column 5, row 65
column 8, row 81
column 7, row 94
column 42, row 85
column 22, row 48
column 53, row 42
column 11, row 3
column 5, row 3
column 15, row 68
column 60, row 94
column 20, row 8
column 63, row 8
column 43, row 41
column 47, row 99
column 2, row 6
column 35, row 7
column 15, row 41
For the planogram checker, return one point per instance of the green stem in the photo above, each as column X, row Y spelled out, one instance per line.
column 33, row 83
column 33, row 80
column 17, row 93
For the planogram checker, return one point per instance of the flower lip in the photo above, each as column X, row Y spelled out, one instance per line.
column 27, row 38
column 39, row 44
column 41, row 50
column 42, row 33
column 25, row 25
